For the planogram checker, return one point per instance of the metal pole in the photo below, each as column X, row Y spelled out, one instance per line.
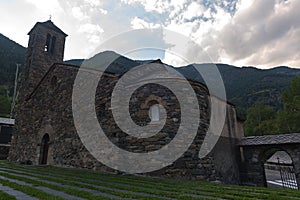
column 15, row 91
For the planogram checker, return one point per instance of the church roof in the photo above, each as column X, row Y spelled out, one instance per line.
column 291, row 138
column 48, row 24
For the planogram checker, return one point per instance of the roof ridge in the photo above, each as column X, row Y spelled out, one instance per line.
column 48, row 24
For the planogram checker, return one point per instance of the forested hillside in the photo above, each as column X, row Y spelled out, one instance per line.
column 11, row 54
column 245, row 86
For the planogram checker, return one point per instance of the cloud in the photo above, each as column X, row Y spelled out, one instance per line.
column 193, row 10
column 259, row 33
column 243, row 32
column 138, row 23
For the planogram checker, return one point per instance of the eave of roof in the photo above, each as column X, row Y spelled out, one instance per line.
column 291, row 138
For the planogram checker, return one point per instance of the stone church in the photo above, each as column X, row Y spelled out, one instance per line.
column 45, row 132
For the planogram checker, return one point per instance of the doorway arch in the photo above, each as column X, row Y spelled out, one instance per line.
column 279, row 169
column 44, row 149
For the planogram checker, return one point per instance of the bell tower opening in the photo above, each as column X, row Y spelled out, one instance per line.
column 47, row 45
column 50, row 44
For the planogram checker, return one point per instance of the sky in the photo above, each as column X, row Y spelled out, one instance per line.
column 260, row 33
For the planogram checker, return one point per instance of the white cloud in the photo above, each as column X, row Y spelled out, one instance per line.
column 95, row 3
column 159, row 6
column 103, row 11
column 79, row 14
column 90, row 29
column 193, row 10
column 46, row 6
column 138, row 23
column 261, row 33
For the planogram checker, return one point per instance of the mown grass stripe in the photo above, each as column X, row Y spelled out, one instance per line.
column 59, row 194
column 7, row 193
column 67, row 184
column 160, row 182
column 183, row 196
column 225, row 195
column 235, row 193
column 163, row 194
column 70, row 185
column 91, row 184
column 33, row 192
column 183, row 189
column 71, row 191
column 174, row 195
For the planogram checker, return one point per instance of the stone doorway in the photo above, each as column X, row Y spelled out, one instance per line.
column 279, row 171
column 44, row 149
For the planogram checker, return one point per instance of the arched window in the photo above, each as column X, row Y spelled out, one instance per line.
column 154, row 113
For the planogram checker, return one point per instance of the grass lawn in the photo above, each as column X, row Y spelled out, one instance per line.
column 49, row 182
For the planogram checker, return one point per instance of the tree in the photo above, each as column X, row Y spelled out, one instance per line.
column 4, row 106
column 260, row 120
column 4, row 102
column 288, row 119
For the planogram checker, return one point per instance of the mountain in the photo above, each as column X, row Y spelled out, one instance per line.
column 248, row 85
column 113, row 62
column 11, row 53
column 244, row 86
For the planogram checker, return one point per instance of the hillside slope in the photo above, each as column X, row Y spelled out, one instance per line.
column 244, row 86
column 11, row 53
column 248, row 85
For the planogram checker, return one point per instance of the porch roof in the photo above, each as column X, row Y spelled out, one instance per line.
column 291, row 138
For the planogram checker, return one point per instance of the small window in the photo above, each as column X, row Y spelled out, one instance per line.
column 48, row 41
column 154, row 113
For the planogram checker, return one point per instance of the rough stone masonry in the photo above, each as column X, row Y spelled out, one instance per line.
column 45, row 132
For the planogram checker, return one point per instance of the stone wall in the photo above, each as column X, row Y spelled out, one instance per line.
column 4, row 150
column 38, row 61
column 49, row 110
column 252, row 170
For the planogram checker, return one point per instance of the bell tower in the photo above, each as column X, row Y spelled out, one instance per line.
column 45, row 47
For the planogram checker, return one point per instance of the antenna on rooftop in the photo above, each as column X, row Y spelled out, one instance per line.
column 50, row 16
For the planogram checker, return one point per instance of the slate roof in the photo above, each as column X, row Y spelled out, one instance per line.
column 7, row 121
column 291, row 138
column 48, row 24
